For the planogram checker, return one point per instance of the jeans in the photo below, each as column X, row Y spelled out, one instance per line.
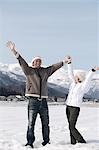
column 72, row 116
column 37, row 107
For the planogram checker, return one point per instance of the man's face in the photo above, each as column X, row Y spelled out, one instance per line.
column 36, row 63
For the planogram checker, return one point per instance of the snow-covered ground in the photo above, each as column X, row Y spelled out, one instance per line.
column 13, row 126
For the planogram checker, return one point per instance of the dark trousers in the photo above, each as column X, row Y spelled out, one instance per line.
column 37, row 107
column 72, row 115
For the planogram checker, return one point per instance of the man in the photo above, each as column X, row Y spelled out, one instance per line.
column 80, row 84
column 36, row 90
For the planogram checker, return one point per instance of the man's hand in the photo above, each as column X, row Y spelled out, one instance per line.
column 11, row 46
column 67, row 59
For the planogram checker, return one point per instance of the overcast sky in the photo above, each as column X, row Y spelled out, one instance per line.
column 51, row 29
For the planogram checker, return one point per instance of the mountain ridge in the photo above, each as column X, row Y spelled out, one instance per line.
column 13, row 78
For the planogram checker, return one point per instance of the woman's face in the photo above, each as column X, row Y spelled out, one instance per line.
column 77, row 79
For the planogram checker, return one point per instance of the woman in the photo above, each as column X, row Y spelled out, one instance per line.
column 79, row 86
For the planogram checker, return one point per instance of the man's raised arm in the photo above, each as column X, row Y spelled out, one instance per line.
column 12, row 47
column 22, row 62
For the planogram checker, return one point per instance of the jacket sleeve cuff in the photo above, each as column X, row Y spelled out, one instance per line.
column 69, row 62
column 65, row 62
column 17, row 55
column 93, row 70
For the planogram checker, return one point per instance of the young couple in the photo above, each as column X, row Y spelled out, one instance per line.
column 36, row 91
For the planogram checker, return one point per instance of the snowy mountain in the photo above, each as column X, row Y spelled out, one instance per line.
column 13, row 79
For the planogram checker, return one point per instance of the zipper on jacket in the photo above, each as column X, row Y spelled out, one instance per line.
column 40, row 83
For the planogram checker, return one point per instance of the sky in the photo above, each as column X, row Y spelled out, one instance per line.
column 51, row 29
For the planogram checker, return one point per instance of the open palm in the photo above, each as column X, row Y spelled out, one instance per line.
column 10, row 45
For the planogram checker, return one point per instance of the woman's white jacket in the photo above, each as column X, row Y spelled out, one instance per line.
column 77, row 90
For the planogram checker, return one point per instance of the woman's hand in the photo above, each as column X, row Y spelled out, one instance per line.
column 96, row 68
